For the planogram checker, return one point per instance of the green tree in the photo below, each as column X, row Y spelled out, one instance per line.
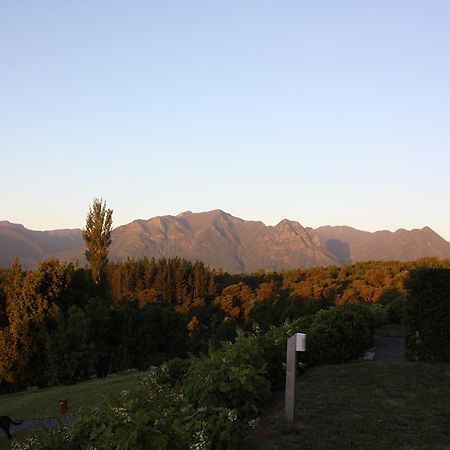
column 69, row 350
column 97, row 236
column 33, row 300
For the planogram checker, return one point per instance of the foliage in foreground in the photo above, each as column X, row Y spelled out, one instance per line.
column 209, row 402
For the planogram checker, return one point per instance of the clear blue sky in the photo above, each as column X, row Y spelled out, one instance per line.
column 325, row 112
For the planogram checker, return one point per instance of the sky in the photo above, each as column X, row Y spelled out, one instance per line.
column 325, row 112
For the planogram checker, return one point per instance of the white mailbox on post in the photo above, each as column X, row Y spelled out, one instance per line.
column 300, row 342
column 296, row 343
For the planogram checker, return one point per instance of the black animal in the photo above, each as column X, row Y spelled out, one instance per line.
column 5, row 423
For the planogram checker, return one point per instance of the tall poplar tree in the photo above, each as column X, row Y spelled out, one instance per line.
column 97, row 236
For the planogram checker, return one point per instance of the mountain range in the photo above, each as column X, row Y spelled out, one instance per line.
column 224, row 241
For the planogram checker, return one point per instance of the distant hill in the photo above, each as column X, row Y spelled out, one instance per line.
column 348, row 245
column 33, row 246
column 224, row 241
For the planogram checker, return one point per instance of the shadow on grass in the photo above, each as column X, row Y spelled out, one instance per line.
column 364, row 406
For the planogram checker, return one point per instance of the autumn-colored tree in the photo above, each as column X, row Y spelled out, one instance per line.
column 233, row 300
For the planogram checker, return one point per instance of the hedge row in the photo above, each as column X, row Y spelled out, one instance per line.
column 427, row 315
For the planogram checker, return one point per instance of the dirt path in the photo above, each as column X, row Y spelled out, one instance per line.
column 390, row 349
column 389, row 344
column 35, row 424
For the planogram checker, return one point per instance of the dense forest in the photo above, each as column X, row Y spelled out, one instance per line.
column 57, row 325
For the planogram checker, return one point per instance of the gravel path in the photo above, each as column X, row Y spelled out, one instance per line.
column 43, row 422
column 390, row 349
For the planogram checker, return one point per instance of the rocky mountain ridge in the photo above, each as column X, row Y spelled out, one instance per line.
column 224, row 241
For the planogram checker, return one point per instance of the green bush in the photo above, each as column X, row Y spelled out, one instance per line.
column 332, row 336
column 374, row 314
column 273, row 348
column 233, row 376
column 338, row 335
column 427, row 314
column 379, row 315
column 154, row 417
column 395, row 310
column 302, row 325
column 173, row 371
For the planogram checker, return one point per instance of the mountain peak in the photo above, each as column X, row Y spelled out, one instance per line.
column 224, row 241
column 284, row 222
column 213, row 213
column 7, row 223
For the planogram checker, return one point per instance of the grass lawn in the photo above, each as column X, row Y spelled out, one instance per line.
column 362, row 405
column 45, row 402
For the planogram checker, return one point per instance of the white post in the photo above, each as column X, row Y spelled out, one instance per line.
column 295, row 343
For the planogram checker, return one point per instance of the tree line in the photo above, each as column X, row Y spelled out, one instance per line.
column 62, row 323
column 57, row 325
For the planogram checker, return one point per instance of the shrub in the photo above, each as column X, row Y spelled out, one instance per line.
column 379, row 315
column 333, row 336
column 373, row 314
column 427, row 314
column 153, row 417
column 173, row 371
column 233, row 376
column 338, row 335
column 395, row 310
column 273, row 348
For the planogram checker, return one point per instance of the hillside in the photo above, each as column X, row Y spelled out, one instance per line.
column 32, row 246
column 348, row 245
column 221, row 240
column 224, row 241
column 215, row 237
